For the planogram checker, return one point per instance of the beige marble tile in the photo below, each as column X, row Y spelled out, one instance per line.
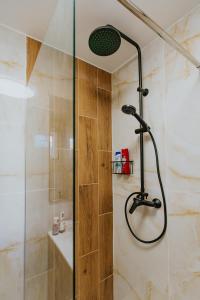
column 182, row 136
column 51, row 77
column 170, row 269
column 38, row 214
column 12, row 165
column 37, row 148
column 13, row 158
column 12, row 55
column 12, row 219
column 184, row 264
column 11, row 273
column 36, row 257
column 37, row 287
column 146, row 260
column 41, row 80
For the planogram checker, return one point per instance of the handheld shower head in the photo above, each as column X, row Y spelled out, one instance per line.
column 131, row 110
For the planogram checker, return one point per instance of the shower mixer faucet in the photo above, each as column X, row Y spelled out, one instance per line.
column 139, row 201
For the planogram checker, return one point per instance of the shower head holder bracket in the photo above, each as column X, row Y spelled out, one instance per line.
column 144, row 92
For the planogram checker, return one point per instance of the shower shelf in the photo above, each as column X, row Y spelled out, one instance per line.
column 114, row 163
column 64, row 242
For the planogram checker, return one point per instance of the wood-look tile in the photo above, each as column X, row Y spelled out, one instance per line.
column 104, row 80
column 105, row 182
column 106, row 245
column 76, row 186
column 33, row 48
column 76, row 116
column 88, row 218
column 87, row 72
column 87, row 99
column 88, row 156
column 87, row 90
column 77, row 269
column 106, row 289
column 89, row 275
column 104, row 121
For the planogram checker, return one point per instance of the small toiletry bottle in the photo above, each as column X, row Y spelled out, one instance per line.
column 62, row 222
column 118, row 163
column 55, row 229
column 125, row 159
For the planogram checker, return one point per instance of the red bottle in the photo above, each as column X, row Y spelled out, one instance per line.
column 125, row 159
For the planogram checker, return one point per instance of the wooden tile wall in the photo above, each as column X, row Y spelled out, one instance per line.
column 94, row 225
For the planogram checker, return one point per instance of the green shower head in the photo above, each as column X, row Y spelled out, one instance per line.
column 104, row 40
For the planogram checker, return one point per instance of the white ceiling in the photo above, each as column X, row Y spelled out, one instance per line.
column 93, row 13
column 51, row 21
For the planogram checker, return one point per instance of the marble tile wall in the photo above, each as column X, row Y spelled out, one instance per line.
column 12, row 166
column 170, row 269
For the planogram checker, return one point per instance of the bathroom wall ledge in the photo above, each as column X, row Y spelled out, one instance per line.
column 64, row 243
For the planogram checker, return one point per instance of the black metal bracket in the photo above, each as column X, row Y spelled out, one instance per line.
column 144, row 92
column 142, row 130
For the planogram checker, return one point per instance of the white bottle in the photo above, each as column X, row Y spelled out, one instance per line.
column 118, row 162
column 62, row 222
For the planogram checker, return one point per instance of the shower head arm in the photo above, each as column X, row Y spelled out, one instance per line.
column 126, row 38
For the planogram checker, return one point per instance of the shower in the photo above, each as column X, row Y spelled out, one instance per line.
column 105, row 41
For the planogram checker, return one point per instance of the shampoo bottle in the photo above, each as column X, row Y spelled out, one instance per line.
column 118, row 163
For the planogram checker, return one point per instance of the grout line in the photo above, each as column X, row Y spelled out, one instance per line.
column 86, row 184
column 38, row 275
column 89, row 253
column 108, row 277
column 100, row 88
column 98, row 174
column 92, row 118
column 106, row 213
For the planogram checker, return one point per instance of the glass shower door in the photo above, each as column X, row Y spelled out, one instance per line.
column 50, row 161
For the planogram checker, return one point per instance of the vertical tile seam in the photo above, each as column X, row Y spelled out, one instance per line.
column 77, row 283
column 99, row 254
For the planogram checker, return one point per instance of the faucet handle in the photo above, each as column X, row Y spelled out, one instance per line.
column 157, row 203
column 134, row 205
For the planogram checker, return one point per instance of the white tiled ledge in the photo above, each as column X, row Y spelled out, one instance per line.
column 64, row 243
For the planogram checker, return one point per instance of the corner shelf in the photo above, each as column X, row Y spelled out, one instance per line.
column 122, row 163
